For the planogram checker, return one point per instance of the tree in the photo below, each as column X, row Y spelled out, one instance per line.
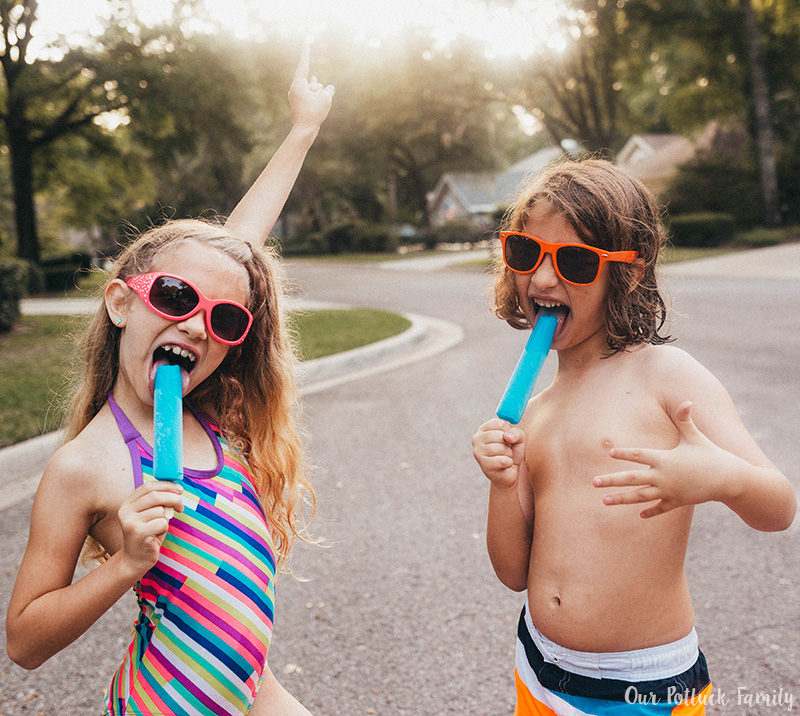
column 427, row 112
column 577, row 93
column 765, row 140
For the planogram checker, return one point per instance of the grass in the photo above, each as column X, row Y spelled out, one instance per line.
column 36, row 357
column 39, row 353
column 331, row 331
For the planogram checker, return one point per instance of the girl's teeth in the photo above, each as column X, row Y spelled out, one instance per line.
column 181, row 352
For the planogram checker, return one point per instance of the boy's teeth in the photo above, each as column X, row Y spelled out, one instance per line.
column 548, row 304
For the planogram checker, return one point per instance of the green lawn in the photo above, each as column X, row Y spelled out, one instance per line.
column 39, row 352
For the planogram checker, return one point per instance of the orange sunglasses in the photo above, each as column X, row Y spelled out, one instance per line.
column 577, row 264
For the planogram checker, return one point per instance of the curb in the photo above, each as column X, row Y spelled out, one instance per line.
column 21, row 465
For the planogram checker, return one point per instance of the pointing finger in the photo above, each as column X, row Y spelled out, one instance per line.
column 302, row 66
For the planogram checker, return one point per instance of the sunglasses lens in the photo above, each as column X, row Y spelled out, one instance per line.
column 172, row 296
column 578, row 265
column 521, row 253
column 228, row 321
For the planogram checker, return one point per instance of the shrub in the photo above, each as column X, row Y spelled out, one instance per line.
column 62, row 272
column 719, row 185
column 32, row 276
column 361, row 237
column 11, row 290
column 453, row 232
column 702, row 230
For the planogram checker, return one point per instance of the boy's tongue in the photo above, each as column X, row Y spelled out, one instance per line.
column 560, row 312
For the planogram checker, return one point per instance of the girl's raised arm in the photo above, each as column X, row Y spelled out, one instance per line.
column 254, row 216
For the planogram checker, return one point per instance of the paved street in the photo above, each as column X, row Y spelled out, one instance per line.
column 398, row 611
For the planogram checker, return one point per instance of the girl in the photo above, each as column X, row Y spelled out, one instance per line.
column 196, row 295
column 608, row 626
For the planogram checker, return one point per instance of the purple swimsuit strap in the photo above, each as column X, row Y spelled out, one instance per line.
column 132, row 437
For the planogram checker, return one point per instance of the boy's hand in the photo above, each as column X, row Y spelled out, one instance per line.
column 144, row 517
column 691, row 473
column 499, row 450
column 309, row 100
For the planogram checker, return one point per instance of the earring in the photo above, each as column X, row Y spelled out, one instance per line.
column 117, row 321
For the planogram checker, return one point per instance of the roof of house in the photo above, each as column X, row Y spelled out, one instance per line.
column 481, row 192
column 649, row 156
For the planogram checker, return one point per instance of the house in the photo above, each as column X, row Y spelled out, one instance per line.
column 654, row 158
column 475, row 196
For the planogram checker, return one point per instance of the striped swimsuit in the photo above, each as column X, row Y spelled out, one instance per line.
column 199, row 645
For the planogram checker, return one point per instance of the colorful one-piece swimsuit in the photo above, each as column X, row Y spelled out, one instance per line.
column 199, row 645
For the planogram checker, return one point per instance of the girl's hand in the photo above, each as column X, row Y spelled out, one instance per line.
column 309, row 100
column 499, row 450
column 693, row 472
column 144, row 517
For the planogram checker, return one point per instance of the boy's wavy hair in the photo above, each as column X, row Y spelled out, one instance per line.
column 251, row 396
column 609, row 210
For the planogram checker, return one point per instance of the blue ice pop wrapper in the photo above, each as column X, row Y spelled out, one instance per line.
column 520, row 386
column 168, row 424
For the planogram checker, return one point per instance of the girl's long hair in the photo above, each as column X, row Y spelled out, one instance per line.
column 609, row 210
column 251, row 396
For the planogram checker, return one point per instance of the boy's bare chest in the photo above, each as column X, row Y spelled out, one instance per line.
column 571, row 432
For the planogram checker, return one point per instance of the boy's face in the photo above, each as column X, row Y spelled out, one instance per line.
column 581, row 312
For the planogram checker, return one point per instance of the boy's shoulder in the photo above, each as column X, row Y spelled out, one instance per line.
column 675, row 373
column 665, row 359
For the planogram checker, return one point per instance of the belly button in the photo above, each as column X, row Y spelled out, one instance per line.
column 556, row 602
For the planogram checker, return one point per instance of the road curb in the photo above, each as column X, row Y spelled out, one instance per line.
column 21, row 465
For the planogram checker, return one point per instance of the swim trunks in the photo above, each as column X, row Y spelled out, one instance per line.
column 199, row 645
column 669, row 680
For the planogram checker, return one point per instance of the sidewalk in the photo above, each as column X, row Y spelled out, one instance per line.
column 774, row 262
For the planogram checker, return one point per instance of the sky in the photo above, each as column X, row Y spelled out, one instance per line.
column 503, row 30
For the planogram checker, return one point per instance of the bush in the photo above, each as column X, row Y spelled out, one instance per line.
column 62, row 272
column 360, row 237
column 11, row 290
column 702, row 230
column 32, row 276
column 453, row 232
column 719, row 185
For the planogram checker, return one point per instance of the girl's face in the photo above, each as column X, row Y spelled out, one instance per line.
column 581, row 309
column 149, row 339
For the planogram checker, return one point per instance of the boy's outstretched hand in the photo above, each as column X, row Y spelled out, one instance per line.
column 499, row 449
column 309, row 100
column 693, row 472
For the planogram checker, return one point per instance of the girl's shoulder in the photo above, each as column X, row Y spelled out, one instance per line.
column 89, row 463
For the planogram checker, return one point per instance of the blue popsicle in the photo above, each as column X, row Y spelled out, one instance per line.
column 520, row 387
column 168, row 424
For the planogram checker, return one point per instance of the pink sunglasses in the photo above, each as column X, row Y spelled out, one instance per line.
column 176, row 298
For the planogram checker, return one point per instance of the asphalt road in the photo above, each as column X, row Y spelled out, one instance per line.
column 399, row 611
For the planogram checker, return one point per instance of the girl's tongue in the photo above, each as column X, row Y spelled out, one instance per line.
column 172, row 355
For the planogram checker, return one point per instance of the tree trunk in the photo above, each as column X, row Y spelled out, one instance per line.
column 765, row 140
column 21, row 154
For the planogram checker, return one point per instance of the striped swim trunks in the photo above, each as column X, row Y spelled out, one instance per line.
column 669, row 680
